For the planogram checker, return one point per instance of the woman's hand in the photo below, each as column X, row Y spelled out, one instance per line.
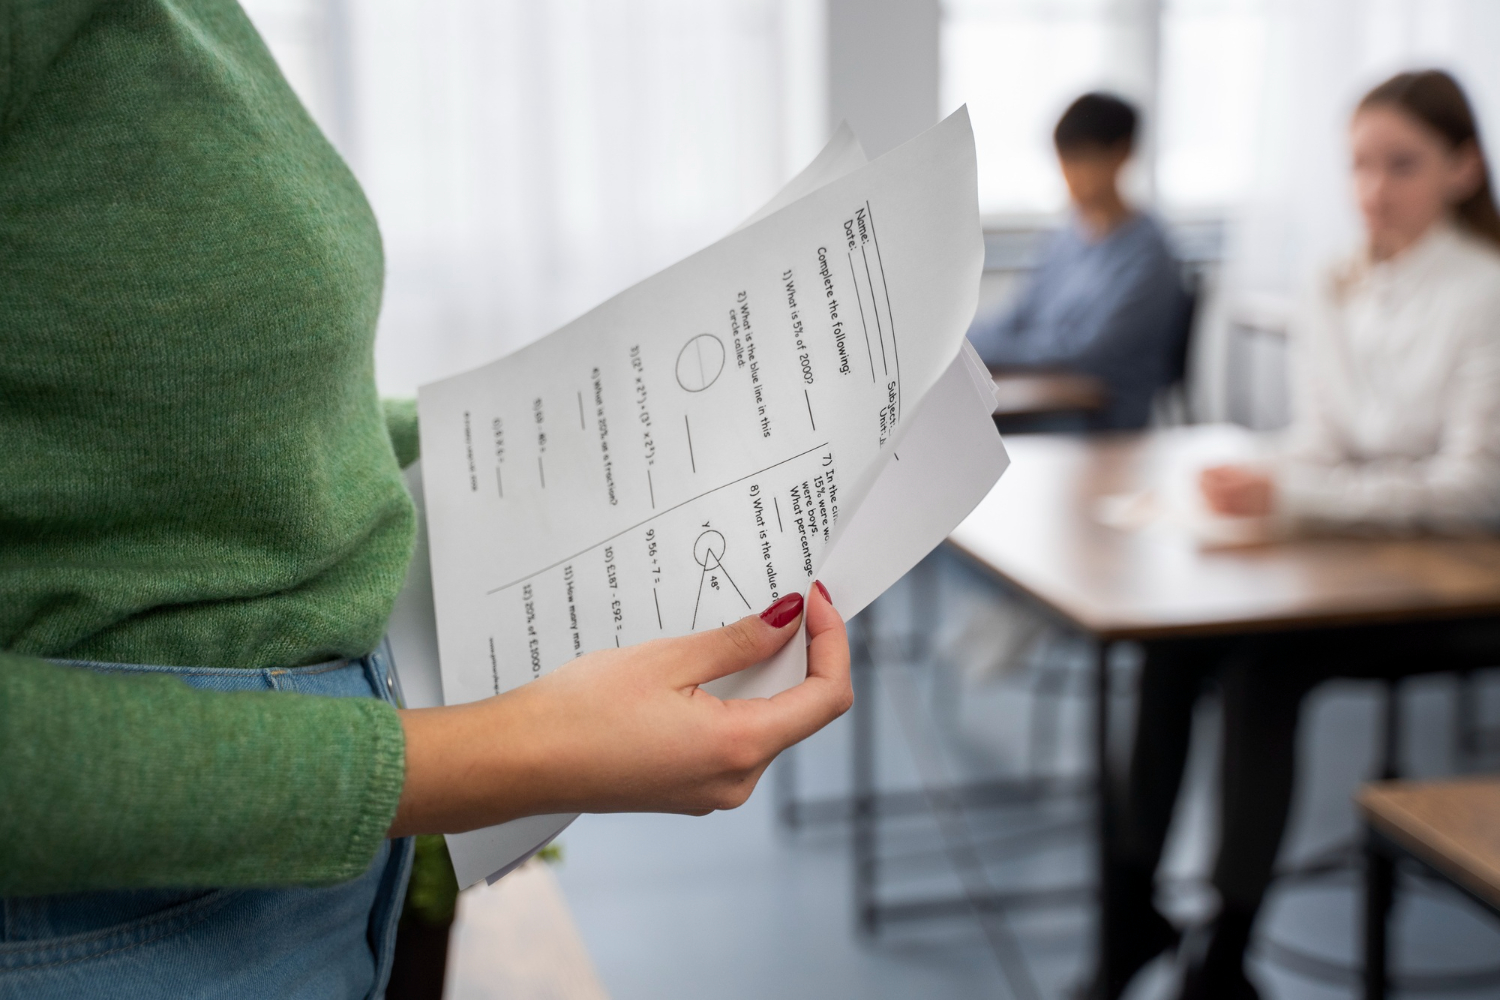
column 625, row 730
column 1236, row 491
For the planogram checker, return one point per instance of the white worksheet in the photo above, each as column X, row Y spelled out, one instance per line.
column 677, row 458
column 948, row 459
column 952, row 457
column 897, row 464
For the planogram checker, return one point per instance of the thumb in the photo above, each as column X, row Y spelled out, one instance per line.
column 707, row 656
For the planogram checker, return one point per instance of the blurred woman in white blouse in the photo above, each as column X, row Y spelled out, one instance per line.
column 1396, row 428
column 1396, row 367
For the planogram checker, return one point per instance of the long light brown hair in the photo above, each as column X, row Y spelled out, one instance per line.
column 1435, row 99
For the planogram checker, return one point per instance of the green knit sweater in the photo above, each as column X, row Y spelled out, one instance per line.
column 195, row 468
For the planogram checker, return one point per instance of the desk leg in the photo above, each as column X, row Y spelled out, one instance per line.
column 1380, row 877
column 1466, row 721
column 1105, row 794
column 863, row 827
column 785, row 789
column 1380, row 870
column 1390, row 737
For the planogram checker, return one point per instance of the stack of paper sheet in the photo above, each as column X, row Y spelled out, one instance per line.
column 796, row 401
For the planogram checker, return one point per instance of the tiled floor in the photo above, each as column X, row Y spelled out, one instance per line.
column 735, row 906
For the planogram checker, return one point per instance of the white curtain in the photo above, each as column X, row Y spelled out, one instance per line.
column 528, row 158
column 1319, row 59
column 1296, row 213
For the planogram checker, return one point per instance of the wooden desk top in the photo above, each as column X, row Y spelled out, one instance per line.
column 1026, row 394
column 1454, row 826
column 1041, row 530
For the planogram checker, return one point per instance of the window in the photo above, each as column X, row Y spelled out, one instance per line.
column 1017, row 64
column 1212, row 67
column 1192, row 66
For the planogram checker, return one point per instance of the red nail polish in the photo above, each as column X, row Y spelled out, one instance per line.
column 783, row 612
column 822, row 590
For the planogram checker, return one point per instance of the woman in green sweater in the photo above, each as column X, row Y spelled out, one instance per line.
column 199, row 484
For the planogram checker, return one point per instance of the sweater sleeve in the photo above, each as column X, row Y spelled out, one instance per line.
column 33, row 33
column 122, row 781
column 401, row 424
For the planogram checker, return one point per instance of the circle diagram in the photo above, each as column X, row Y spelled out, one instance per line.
column 699, row 362
column 708, row 550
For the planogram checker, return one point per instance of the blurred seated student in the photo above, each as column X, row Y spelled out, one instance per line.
column 1106, row 298
column 1396, row 428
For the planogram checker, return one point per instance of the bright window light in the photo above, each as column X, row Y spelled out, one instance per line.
column 1212, row 55
column 1018, row 63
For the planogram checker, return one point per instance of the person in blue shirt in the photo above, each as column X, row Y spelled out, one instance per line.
column 1106, row 298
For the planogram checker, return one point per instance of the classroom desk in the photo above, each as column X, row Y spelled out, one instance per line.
column 1020, row 394
column 1039, row 530
column 1451, row 828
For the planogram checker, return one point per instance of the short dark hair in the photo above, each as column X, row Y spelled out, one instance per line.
column 1095, row 121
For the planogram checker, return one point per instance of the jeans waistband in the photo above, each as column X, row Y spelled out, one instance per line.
column 367, row 676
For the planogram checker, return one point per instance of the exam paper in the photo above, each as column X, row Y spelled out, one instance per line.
column 947, row 462
column 901, row 463
column 492, row 852
column 677, row 458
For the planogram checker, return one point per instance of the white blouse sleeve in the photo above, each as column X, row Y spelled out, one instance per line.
column 1313, row 437
column 1454, row 489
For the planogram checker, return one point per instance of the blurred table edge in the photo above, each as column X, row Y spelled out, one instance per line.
column 1040, row 393
column 1110, row 629
column 1434, row 822
column 1327, row 610
column 1449, row 828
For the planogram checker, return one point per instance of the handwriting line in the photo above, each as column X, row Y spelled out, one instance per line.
column 875, row 308
column 895, row 344
column 862, row 323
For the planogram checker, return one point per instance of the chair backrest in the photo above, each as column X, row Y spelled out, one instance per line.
column 1182, row 333
column 1173, row 402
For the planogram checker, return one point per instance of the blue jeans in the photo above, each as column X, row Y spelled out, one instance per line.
column 225, row 944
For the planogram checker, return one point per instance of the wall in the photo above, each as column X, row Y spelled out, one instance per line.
column 883, row 68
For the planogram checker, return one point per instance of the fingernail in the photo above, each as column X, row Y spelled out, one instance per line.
column 783, row 612
column 822, row 590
